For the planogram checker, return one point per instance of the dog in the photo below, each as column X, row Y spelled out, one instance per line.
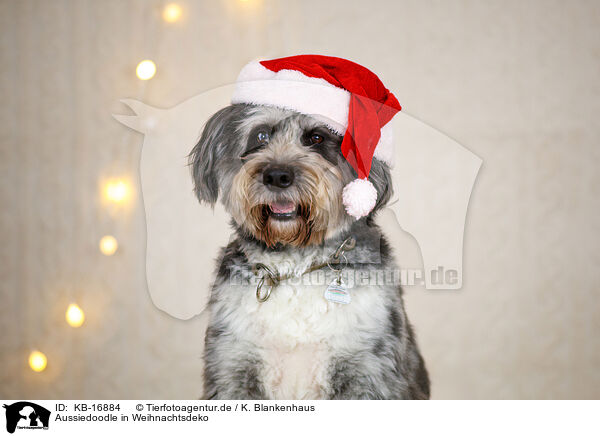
column 271, row 333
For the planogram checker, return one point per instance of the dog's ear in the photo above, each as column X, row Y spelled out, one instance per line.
column 216, row 139
column 381, row 178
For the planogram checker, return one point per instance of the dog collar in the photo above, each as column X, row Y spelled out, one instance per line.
column 270, row 278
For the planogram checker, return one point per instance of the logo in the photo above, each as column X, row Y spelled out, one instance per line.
column 433, row 179
column 26, row 415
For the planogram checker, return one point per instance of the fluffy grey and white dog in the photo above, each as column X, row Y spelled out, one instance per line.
column 280, row 175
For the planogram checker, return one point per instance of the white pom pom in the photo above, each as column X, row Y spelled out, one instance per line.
column 359, row 197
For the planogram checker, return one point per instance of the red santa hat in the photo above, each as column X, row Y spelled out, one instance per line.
column 346, row 96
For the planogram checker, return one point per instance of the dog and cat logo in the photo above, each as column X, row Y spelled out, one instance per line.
column 26, row 415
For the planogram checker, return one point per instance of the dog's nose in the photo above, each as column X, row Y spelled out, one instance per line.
column 280, row 177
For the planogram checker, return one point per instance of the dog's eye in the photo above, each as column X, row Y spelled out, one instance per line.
column 315, row 138
column 262, row 138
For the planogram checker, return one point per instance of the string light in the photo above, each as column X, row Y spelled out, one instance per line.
column 37, row 361
column 146, row 70
column 171, row 13
column 108, row 245
column 250, row 5
column 74, row 315
column 116, row 191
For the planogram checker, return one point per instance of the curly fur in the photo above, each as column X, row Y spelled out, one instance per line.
column 297, row 344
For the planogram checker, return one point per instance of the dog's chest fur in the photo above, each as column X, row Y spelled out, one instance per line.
column 299, row 345
column 297, row 331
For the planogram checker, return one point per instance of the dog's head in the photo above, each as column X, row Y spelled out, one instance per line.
column 280, row 174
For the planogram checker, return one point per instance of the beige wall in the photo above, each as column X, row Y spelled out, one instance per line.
column 515, row 82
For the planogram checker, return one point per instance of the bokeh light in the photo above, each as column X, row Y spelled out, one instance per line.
column 116, row 191
column 108, row 245
column 146, row 70
column 172, row 13
column 74, row 315
column 37, row 361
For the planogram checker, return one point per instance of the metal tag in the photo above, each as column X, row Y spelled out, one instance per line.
column 337, row 293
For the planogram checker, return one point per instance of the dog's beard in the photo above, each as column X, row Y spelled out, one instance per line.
column 302, row 215
column 298, row 229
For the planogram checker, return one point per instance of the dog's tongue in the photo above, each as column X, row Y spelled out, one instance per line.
column 282, row 207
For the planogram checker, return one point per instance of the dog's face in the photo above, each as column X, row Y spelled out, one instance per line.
column 279, row 174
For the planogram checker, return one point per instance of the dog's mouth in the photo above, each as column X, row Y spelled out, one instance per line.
column 283, row 221
column 282, row 210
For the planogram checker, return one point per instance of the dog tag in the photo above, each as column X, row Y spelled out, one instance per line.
column 336, row 292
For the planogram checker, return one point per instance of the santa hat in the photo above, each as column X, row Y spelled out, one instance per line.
column 348, row 97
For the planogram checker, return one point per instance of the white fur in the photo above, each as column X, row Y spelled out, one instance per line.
column 296, row 330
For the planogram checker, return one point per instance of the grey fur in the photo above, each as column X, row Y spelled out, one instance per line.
column 379, row 360
column 216, row 146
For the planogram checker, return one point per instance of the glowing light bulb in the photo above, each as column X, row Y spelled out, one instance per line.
column 74, row 315
column 37, row 361
column 116, row 191
column 146, row 70
column 172, row 12
column 108, row 245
